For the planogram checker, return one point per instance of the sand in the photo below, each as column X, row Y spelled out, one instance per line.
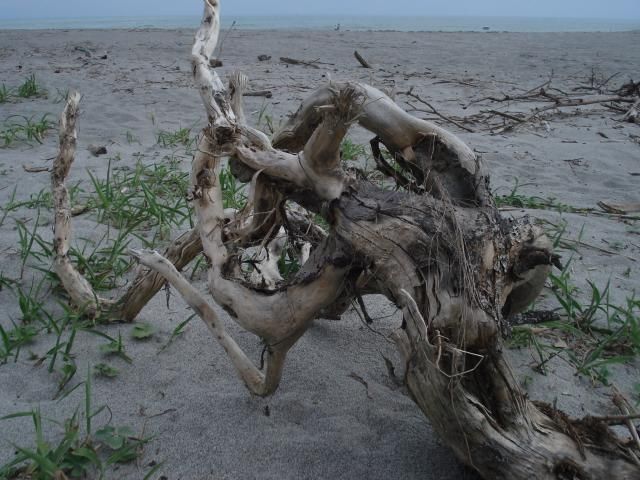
column 323, row 422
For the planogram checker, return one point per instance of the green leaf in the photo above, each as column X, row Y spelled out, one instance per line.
column 112, row 348
column 110, row 437
column 125, row 454
column 105, row 370
column 142, row 331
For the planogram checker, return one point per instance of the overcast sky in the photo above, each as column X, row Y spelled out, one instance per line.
column 536, row 8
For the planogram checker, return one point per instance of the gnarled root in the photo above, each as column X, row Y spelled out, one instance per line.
column 436, row 247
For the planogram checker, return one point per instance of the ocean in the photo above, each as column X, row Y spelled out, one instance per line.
column 356, row 23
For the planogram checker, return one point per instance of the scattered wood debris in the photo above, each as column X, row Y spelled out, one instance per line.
column 361, row 59
column 97, row 150
column 259, row 93
column 293, row 61
column 619, row 208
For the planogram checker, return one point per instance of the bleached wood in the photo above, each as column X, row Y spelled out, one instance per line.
column 253, row 378
column 439, row 250
column 78, row 288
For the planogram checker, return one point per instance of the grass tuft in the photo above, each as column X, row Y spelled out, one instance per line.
column 4, row 94
column 19, row 128
column 180, row 137
column 592, row 336
column 79, row 451
column 30, row 88
column 350, row 151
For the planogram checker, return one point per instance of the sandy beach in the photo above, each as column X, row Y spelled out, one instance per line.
column 338, row 412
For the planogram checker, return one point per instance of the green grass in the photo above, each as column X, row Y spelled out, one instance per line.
column 179, row 330
column 148, row 200
column 591, row 335
column 61, row 96
column 177, row 138
column 14, row 339
column 79, row 451
column 19, row 128
column 351, row 151
column 104, row 263
column 4, row 94
column 518, row 200
column 105, row 370
column 31, row 244
column 115, row 347
column 233, row 195
column 41, row 200
column 142, row 331
column 131, row 138
column 264, row 120
column 30, row 88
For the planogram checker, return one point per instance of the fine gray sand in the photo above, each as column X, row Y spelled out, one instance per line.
column 337, row 413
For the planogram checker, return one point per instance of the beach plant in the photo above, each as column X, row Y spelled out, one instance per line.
column 8, row 136
column 13, row 339
column 517, row 200
column 596, row 333
column 288, row 264
column 8, row 208
column 4, row 94
column 148, row 198
column 30, row 88
column 115, row 347
column 172, row 139
column 233, row 195
column 104, row 262
column 81, row 451
column 351, row 151
column 25, row 129
column 61, row 96
column 31, row 304
column 131, row 138
column 31, row 244
column 177, row 331
column 6, row 282
column 105, row 370
column 42, row 200
column 264, row 118
column 142, row 331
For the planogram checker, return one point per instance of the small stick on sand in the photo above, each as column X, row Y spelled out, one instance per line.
column 293, row 61
column 433, row 110
column 362, row 61
column 259, row 93
column 633, row 113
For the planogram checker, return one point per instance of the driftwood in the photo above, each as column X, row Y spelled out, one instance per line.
column 361, row 60
column 259, row 93
column 82, row 295
column 552, row 99
column 432, row 109
column 633, row 114
column 437, row 247
column 293, row 61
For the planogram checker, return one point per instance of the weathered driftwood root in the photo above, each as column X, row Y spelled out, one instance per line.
column 440, row 251
column 79, row 289
column 146, row 284
column 437, row 248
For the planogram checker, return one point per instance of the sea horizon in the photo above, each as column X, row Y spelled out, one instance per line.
column 343, row 22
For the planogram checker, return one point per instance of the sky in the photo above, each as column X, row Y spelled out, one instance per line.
column 620, row 9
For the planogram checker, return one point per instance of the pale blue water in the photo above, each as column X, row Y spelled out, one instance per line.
column 357, row 23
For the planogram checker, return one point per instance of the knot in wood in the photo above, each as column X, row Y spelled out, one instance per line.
column 206, row 179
